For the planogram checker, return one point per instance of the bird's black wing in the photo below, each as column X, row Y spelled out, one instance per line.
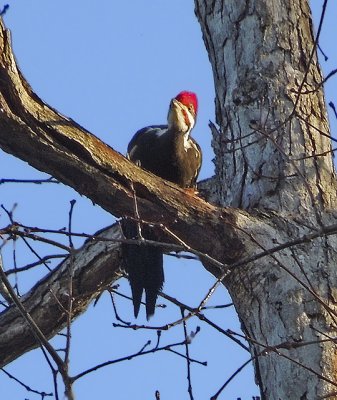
column 143, row 139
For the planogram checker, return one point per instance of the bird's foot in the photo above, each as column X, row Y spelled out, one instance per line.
column 191, row 191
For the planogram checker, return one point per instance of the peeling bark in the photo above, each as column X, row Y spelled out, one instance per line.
column 269, row 194
column 262, row 57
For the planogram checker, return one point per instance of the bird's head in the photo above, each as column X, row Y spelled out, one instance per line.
column 183, row 112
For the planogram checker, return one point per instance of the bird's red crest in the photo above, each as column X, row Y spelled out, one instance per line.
column 188, row 98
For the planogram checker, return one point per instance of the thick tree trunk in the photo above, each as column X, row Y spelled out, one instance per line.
column 279, row 244
column 262, row 56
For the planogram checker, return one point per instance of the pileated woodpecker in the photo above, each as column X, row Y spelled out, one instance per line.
column 171, row 153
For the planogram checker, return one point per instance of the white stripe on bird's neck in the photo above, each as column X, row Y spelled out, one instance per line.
column 187, row 140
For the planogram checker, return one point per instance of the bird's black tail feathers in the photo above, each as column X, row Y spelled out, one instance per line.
column 144, row 265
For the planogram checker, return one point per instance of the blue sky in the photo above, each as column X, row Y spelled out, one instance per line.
column 113, row 68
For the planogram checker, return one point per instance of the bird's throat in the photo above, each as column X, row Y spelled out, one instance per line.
column 187, row 141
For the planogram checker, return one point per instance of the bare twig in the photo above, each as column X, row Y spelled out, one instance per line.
column 70, row 288
column 216, row 395
column 332, row 106
column 188, row 362
column 28, row 388
column 39, row 335
column 34, row 181
column 4, row 10
column 319, row 85
column 27, row 267
column 142, row 352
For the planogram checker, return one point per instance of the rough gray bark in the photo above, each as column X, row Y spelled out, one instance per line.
column 260, row 53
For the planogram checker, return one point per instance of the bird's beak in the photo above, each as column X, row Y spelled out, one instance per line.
column 175, row 104
column 174, row 110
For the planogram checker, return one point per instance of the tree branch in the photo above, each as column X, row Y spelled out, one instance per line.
column 28, row 127
column 50, row 142
column 95, row 266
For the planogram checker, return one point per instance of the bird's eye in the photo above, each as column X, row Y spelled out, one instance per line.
column 191, row 108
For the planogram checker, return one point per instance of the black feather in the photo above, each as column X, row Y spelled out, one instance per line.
column 168, row 153
column 144, row 265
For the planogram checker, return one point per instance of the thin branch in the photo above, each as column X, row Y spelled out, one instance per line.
column 315, row 155
column 298, row 171
column 326, row 58
column 319, row 85
column 194, row 312
column 188, row 362
column 27, row 267
column 4, row 10
column 111, row 293
column 34, row 181
column 316, row 129
column 35, row 329
column 28, row 388
column 127, row 358
column 313, row 52
column 15, row 232
column 70, row 289
column 332, row 106
column 216, row 395
column 267, row 349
